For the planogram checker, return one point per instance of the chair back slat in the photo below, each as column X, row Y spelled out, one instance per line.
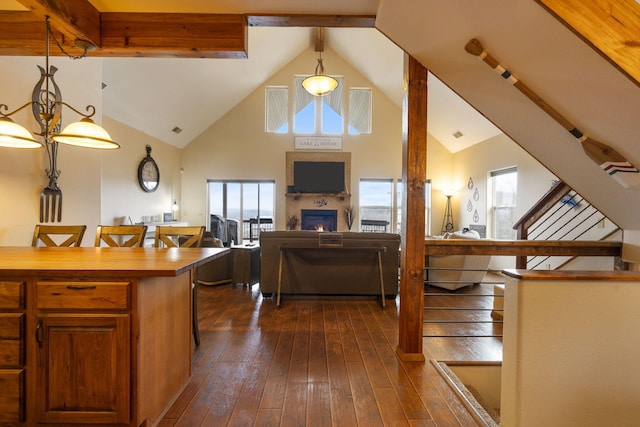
column 45, row 234
column 121, row 235
column 179, row 236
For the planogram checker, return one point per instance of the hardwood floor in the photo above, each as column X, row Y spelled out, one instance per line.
column 315, row 362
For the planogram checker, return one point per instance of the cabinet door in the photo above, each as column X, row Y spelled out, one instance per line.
column 83, row 366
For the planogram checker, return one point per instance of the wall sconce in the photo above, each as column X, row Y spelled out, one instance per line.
column 46, row 104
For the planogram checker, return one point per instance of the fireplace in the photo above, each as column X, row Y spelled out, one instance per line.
column 319, row 219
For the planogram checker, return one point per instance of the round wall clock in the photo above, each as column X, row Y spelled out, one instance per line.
column 148, row 173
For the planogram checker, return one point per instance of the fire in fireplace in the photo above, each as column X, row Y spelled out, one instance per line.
column 319, row 220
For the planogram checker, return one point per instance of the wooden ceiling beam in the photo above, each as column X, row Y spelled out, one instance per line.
column 134, row 35
column 116, row 34
column 74, row 19
column 306, row 20
column 185, row 35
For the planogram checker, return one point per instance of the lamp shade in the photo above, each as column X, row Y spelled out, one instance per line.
column 86, row 133
column 15, row 136
column 319, row 84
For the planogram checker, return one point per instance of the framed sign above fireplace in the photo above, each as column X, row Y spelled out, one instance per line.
column 318, row 143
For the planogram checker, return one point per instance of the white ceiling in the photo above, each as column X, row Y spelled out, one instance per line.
column 155, row 95
column 559, row 66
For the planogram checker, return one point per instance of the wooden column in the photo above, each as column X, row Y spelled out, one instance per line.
column 414, row 168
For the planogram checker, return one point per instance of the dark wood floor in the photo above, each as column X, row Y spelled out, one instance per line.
column 316, row 362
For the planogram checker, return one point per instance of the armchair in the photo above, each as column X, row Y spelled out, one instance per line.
column 456, row 271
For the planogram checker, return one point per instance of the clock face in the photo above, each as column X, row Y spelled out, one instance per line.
column 148, row 175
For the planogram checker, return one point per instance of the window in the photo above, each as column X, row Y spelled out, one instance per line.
column 317, row 114
column 277, row 109
column 504, row 188
column 359, row 111
column 248, row 204
column 376, row 204
column 379, row 209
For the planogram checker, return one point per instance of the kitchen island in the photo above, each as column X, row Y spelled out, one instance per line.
column 95, row 336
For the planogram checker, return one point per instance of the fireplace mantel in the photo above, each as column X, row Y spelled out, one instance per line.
column 340, row 196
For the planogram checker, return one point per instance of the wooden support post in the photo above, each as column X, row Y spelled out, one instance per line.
column 414, row 168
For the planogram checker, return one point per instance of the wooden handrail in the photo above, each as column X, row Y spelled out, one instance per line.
column 522, row 248
column 553, row 196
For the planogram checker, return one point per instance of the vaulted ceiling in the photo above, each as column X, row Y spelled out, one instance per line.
column 580, row 58
column 178, row 88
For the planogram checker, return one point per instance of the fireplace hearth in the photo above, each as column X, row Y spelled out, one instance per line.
column 319, row 219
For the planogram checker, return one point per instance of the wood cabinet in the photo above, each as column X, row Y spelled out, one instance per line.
column 12, row 353
column 83, row 357
column 94, row 336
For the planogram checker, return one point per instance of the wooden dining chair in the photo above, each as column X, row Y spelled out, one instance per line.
column 121, row 235
column 183, row 237
column 178, row 236
column 58, row 235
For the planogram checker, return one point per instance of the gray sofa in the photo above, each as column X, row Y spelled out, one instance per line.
column 328, row 272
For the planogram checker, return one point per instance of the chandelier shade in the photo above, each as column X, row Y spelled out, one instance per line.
column 319, row 84
column 86, row 133
column 13, row 135
column 46, row 105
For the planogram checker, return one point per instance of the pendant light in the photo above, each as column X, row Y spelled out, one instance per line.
column 319, row 83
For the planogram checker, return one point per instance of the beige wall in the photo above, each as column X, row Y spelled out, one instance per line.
column 22, row 172
column 237, row 147
column 568, row 358
column 122, row 197
column 101, row 187
column 476, row 162
column 98, row 187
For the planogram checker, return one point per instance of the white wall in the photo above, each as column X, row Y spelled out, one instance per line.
column 568, row 357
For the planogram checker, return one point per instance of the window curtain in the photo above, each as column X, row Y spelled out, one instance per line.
column 277, row 107
column 360, row 110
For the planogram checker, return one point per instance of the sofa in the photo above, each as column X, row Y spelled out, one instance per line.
column 328, row 272
column 453, row 272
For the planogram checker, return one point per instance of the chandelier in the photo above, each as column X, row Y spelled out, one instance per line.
column 319, row 83
column 46, row 105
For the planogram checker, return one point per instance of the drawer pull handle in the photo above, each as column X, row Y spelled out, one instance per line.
column 81, row 287
column 39, row 334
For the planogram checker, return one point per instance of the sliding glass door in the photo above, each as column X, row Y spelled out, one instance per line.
column 240, row 209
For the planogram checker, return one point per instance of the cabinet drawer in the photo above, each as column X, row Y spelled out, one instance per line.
column 11, row 295
column 83, row 295
column 12, row 340
column 12, row 398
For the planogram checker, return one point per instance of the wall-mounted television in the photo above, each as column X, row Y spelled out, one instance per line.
column 318, row 177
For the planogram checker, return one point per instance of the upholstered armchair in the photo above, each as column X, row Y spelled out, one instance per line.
column 456, row 271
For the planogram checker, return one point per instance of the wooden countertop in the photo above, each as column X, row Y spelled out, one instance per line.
column 572, row 275
column 116, row 262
